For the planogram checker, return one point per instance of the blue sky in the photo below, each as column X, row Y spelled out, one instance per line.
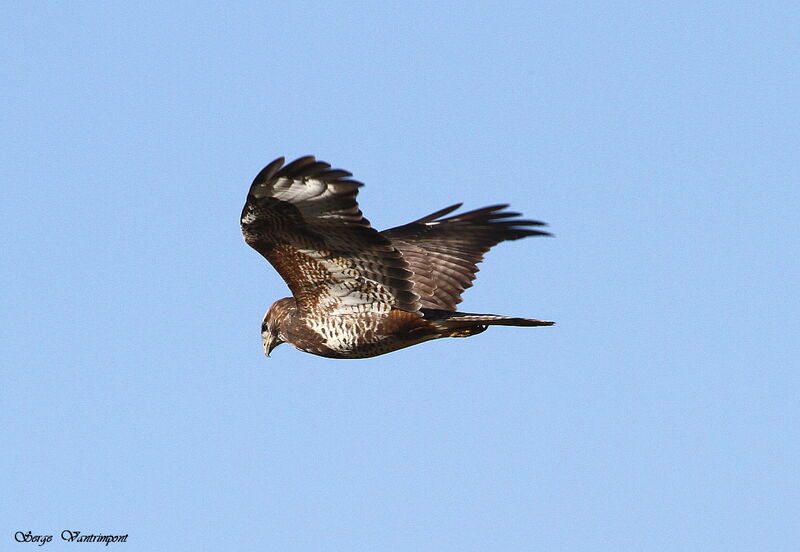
column 659, row 140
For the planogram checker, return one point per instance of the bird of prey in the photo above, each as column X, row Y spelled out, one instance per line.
column 357, row 292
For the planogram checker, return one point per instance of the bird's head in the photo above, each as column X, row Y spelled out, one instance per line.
column 273, row 324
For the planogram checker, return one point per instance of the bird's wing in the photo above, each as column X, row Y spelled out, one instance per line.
column 304, row 219
column 443, row 252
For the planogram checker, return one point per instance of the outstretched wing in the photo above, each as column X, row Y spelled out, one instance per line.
column 304, row 219
column 443, row 252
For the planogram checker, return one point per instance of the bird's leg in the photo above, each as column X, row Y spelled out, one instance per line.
column 467, row 332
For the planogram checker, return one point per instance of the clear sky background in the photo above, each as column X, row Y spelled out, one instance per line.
column 661, row 142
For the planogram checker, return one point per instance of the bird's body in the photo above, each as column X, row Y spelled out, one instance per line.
column 358, row 292
column 355, row 335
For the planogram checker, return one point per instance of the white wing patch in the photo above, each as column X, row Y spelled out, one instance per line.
column 311, row 197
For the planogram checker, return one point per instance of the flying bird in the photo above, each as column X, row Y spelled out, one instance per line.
column 357, row 292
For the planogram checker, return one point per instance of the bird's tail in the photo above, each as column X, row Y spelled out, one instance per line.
column 465, row 324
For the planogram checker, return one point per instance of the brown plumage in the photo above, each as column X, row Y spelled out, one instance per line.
column 358, row 292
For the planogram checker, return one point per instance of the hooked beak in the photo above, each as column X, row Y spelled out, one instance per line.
column 269, row 344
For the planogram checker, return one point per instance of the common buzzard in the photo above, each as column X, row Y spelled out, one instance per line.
column 358, row 292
